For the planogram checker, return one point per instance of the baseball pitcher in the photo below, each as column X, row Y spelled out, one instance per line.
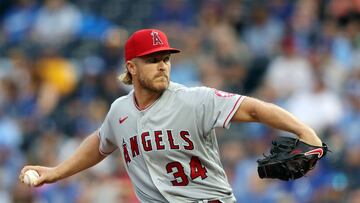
column 165, row 131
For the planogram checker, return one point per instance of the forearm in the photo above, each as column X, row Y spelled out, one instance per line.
column 85, row 156
column 278, row 118
column 254, row 110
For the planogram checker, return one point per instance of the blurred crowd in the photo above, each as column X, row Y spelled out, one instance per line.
column 60, row 59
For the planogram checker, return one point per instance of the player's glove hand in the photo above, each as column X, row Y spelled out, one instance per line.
column 289, row 159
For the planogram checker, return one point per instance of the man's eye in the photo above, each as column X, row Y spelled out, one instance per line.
column 156, row 60
column 151, row 60
column 166, row 59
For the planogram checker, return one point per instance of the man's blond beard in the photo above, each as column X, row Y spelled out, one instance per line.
column 147, row 84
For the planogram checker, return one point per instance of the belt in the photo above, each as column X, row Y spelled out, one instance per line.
column 210, row 201
column 214, row 201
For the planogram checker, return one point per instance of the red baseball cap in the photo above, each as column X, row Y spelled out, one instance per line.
column 147, row 41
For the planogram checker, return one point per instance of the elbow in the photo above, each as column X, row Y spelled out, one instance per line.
column 262, row 111
column 251, row 110
column 254, row 115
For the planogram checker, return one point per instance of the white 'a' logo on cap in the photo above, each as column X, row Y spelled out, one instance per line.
column 156, row 38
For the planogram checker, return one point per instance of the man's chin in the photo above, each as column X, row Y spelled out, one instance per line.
column 162, row 86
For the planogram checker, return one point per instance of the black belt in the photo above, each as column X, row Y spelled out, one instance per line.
column 214, row 201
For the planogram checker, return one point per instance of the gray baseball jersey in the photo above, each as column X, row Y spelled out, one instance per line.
column 170, row 148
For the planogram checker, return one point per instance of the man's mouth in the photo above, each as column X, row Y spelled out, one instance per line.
column 161, row 76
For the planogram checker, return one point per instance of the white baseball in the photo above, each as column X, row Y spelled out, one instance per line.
column 30, row 177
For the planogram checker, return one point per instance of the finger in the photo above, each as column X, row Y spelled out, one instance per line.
column 22, row 173
column 25, row 168
column 39, row 182
column 21, row 178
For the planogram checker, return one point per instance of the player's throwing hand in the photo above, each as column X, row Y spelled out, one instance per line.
column 46, row 175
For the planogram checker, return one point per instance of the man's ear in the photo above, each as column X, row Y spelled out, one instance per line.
column 131, row 67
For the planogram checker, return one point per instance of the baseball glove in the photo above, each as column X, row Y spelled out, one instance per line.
column 289, row 159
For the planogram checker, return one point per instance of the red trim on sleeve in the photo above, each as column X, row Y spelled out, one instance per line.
column 237, row 101
column 99, row 136
column 100, row 150
column 105, row 153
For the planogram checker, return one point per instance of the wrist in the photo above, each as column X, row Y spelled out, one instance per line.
column 57, row 174
column 309, row 136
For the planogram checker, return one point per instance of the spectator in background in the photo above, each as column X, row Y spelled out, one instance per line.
column 289, row 72
column 93, row 27
column 249, row 187
column 349, row 124
column 346, row 14
column 282, row 10
column 234, row 14
column 174, row 12
column 220, row 41
column 304, row 25
column 343, row 44
column 261, row 25
column 58, row 79
column 262, row 34
column 354, row 196
column 231, row 55
column 18, row 21
column 347, row 159
column 10, row 161
column 210, row 74
column 10, row 156
column 56, row 24
column 185, row 68
column 319, row 107
column 11, row 134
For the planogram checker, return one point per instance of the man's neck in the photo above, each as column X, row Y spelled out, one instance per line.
column 145, row 98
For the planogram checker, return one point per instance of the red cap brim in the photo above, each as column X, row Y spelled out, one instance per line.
column 159, row 49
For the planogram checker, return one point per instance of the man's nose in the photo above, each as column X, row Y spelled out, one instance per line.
column 161, row 65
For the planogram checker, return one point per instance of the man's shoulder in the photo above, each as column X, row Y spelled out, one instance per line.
column 179, row 88
column 185, row 93
column 175, row 87
column 123, row 99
